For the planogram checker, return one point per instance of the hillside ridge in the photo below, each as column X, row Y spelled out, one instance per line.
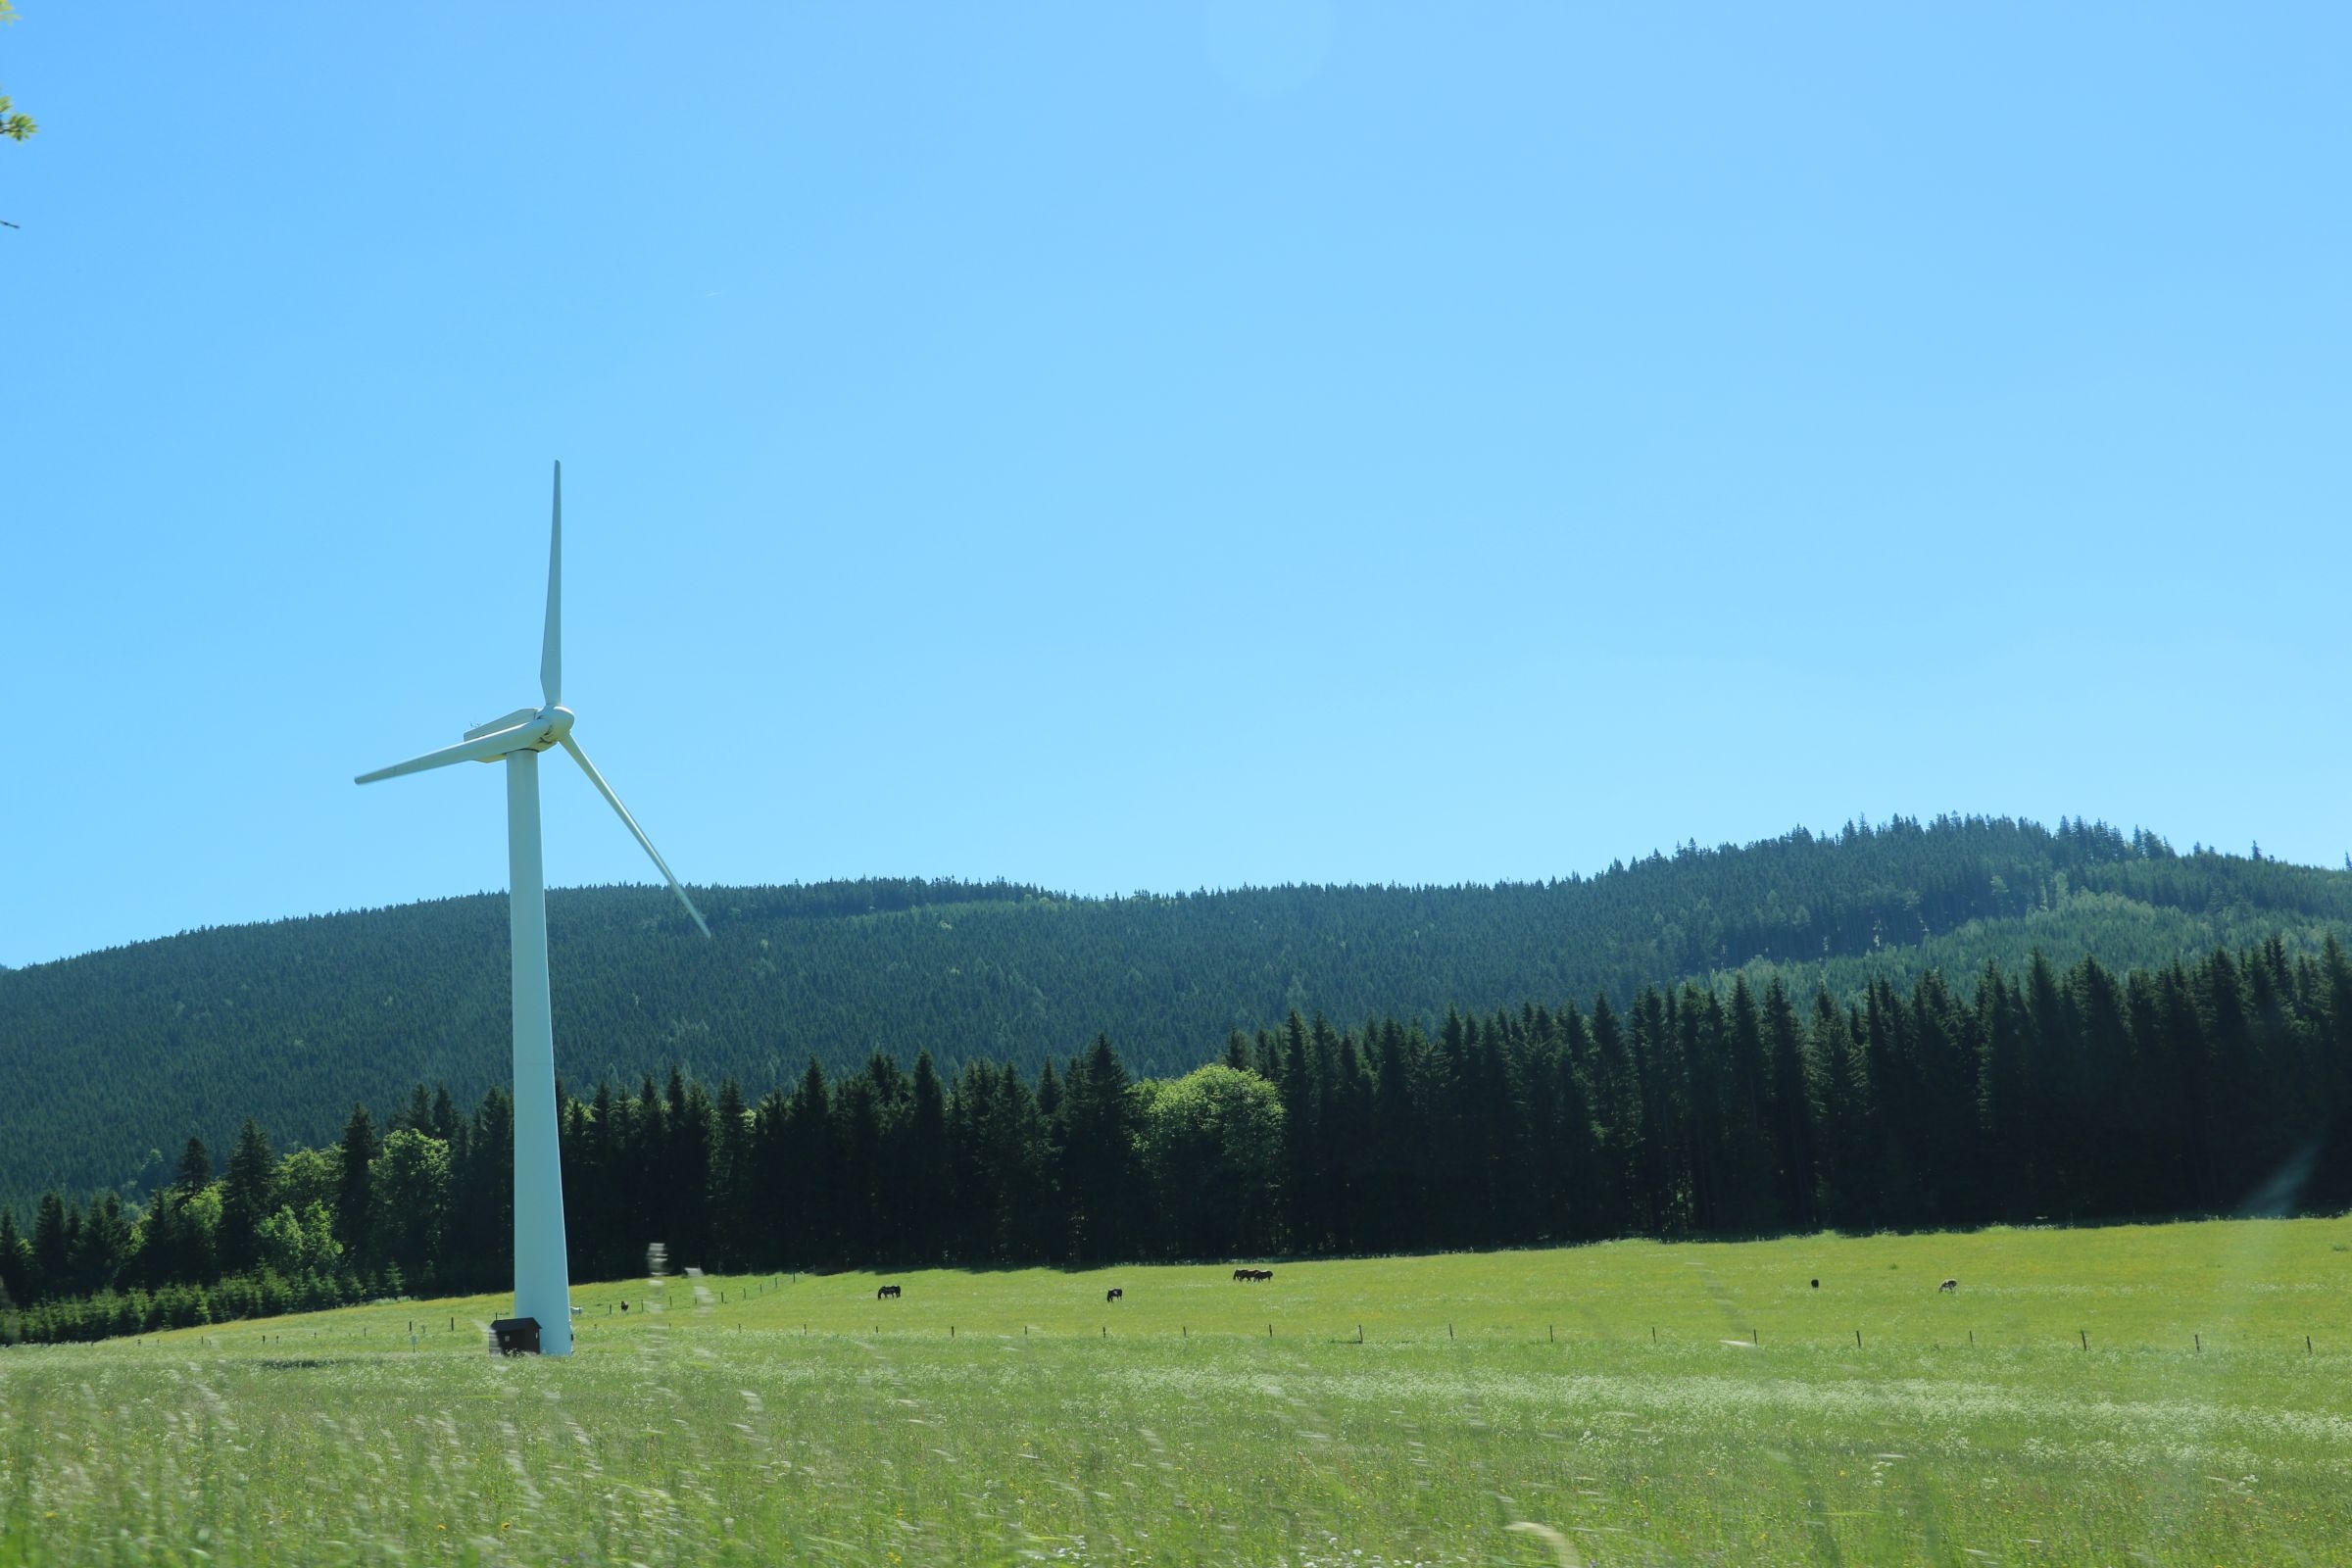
column 114, row 1058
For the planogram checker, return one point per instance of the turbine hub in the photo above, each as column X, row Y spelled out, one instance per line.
column 555, row 723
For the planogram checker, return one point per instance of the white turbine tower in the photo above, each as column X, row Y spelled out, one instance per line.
column 542, row 1283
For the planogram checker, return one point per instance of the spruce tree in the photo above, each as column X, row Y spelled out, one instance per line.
column 1101, row 1181
column 480, row 1235
column 1617, row 1121
column 807, row 1164
column 2005, row 1089
column 354, row 1201
column 1349, row 1121
column 927, row 1157
column 1754, row 1193
column 195, row 1169
column 2332, row 1186
column 16, row 1258
column 52, row 1249
column 101, row 1253
column 247, row 1197
column 685, row 1172
column 732, row 1227
column 1398, row 1204
column 1795, row 1150
column 2234, row 1145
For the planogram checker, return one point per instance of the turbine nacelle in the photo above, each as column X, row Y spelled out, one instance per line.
column 540, row 728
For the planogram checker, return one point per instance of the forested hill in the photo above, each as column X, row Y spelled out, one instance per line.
column 108, row 1062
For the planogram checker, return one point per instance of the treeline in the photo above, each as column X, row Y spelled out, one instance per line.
column 272, row 1233
column 112, row 1058
column 2069, row 1095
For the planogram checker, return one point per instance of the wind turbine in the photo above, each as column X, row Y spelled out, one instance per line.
column 542, row 1283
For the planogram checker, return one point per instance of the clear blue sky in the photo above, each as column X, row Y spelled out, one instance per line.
column 1158, row 445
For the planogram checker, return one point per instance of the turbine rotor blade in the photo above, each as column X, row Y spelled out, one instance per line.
column 482, row 749
column 606, row 790
column 551, row 648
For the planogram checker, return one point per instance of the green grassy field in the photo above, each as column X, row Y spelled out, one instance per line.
column 1016, row 1417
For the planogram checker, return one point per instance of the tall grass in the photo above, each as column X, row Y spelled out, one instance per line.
column 1016, row 1417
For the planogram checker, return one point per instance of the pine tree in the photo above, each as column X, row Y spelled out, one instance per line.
column 195, row 1167
column 1661, row 1185
column 248, row 1195
column 685, row 1172
column 1400, row 1196
column 602, row 1179
column 1695, row 1063
column 354, row 1200
column 1752, row 1182
column 2006, row 1084
column 102, row 1252
column 1351, row 1121
column 806, row 1165
column 2233, row 1142
column 1937, row 1036
column 480, row 1234
column 2109, row 1155
column 16, row 1258
column 927, row 1159
column 52, row 1249
column 766, row 1218
column 2059, row 1110
column 1101, row 1185
column 1796, row 1146
column 1617, row 1121
column 2331, row 1185
column 857, row 1171
column 733, row 1234
column 1579, row 1179
column 2185, row 1051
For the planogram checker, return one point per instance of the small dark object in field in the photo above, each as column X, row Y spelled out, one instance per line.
column 1252, row 1274
column 1114, row 1294
column 1949, row 1285
column 888, row 1293
column 515, row 1335
column 624, row 1307
column 1817, row 1285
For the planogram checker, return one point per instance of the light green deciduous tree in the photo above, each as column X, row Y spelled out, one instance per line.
column 13, row 125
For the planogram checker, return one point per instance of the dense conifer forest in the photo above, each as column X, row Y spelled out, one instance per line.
column 111, row 1062
column 2219, row 1086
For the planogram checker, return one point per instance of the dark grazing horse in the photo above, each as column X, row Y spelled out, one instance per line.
column 1114, row 1293
column 1252, row 1275
column 888, row 1293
